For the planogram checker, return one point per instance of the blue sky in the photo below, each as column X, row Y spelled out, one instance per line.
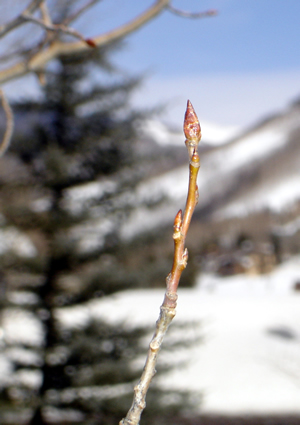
column 247, row 35
column 236, row 67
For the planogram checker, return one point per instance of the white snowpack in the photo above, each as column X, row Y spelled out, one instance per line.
column 249, row 361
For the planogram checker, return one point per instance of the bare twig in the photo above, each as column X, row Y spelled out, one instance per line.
column 47, row 24
column 19, row 20
column 56, row 28
column 9, row 124
column 168, row 309
column 80, row 11
column 45, row 13
column 51, row 47
column 196, row 15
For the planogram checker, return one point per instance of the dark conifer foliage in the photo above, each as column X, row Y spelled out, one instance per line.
column 64, row 188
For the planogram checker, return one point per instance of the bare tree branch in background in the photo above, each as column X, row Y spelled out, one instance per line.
column 52, row 47
column 35, row 58
column 19, row 20
column 55, row 48
column 73, row 16
column 197, row 15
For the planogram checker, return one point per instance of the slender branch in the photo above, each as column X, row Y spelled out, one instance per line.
column 45, row 13
column 48, row 26
column 52, row 47
column 79, row 12
column 35, row 4
column 168, row 309
column 9, row 124
column 193, row 15
column 19, row 20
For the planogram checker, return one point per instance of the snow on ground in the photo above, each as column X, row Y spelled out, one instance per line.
column 249, row 361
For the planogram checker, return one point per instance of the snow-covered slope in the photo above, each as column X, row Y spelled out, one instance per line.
column 228, row 169
column 257, row 170
column 213, row 134
column 273, row 153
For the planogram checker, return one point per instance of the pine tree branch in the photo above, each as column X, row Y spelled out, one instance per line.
column 9, row 124
column 192, row 132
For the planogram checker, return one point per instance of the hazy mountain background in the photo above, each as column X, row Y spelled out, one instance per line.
column 249, row 192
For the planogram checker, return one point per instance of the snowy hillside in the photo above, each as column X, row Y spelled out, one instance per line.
column 273, row 151
column 213, row 134
column 256, row 171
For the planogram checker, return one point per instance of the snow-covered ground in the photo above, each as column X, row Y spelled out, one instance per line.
column 249, row 361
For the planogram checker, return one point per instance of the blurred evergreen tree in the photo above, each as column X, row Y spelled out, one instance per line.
column 65, row 189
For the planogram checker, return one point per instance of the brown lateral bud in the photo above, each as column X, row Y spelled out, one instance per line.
column 195, row 160
column 191, row 126
column 178, row 221
column 185, row 255
column 90, row 42
column 184, row 260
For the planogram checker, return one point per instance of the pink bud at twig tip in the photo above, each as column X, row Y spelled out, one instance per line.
column 191, row 126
